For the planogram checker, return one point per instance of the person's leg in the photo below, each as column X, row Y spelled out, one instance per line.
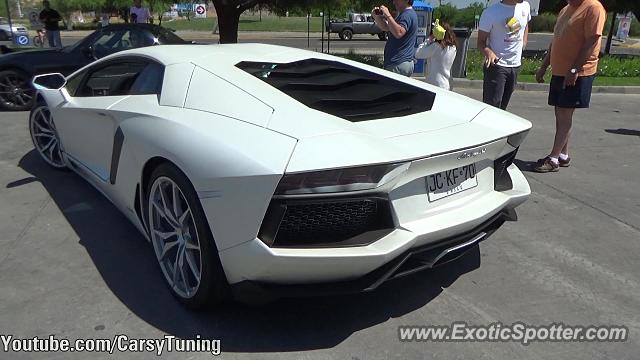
column 574, row 97
column 509, row 86
column 408, row 67
column 51, row 39
column 493, row 85
column 559, row 99
column 564, row 120
column 58, row 40
column 405, row 68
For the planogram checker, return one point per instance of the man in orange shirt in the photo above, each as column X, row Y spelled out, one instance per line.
column 573, row 56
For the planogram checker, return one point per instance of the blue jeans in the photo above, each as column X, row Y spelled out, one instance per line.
column 54, row 38
column 405, row 68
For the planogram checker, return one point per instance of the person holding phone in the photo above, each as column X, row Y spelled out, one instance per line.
column 399, row 50
column 502, row 35
column 440, row 52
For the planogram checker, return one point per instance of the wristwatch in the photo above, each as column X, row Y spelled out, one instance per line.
column 573, row 71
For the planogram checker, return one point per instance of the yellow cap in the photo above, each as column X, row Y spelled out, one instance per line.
column 438, row 31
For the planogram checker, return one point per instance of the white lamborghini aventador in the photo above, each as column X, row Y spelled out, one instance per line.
column 257, row 169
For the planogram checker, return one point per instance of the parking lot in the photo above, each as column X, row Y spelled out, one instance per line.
column 71, row 265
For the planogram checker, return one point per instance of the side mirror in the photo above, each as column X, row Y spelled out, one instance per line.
column 54, row 81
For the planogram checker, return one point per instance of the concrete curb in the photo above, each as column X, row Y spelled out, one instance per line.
column 477, row 84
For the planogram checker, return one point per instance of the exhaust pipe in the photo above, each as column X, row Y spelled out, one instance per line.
column 457, row 251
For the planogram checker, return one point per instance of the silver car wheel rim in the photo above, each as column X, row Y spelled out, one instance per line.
column 174, row 237
column 45, row 137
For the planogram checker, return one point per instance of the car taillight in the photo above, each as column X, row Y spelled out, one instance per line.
column 339, row 180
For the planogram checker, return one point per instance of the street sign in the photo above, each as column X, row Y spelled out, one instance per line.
column 200, row 10
column 22, row 40
column 34, row 19
column 624, row 26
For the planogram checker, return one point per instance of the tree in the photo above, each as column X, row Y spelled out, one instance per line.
column 229, row 17
column 612, row 6
column 229, row 11
column 3, row 9
column 160, row 7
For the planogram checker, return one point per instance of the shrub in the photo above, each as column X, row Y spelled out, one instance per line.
column 543, row 22
column 613, row 66
column 467, row 17
column 373, row 60
column 85, row 26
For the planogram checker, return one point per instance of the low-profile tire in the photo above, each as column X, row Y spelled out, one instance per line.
column 382, row 36
column 16, row 92
column 44, row 136
column 346, row 34
column 182, row 241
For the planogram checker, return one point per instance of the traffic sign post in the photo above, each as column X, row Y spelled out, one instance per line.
column 21, row 40
column 200, row 10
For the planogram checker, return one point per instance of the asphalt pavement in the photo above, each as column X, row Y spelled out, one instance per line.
column 71, row 265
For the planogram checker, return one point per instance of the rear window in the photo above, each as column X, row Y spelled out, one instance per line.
column 342, row 90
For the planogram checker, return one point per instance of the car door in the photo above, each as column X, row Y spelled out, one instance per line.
column 358, row 24
column 371, row 26
column 86, row 124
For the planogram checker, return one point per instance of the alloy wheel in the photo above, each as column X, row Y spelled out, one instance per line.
column 174, row 237
column 44, row 136
column 15, row 91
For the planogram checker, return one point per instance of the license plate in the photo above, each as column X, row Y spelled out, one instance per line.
column 451, row 182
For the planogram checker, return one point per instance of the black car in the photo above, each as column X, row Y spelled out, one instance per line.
column 18, row 68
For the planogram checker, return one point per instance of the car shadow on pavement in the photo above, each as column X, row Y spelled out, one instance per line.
column 623, row 132
column 525, row 165
column 126, row 262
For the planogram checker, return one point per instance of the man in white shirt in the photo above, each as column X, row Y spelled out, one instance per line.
column 502, row 35
column 139, row 14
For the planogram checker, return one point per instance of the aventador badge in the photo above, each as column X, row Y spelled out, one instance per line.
column 469, row 154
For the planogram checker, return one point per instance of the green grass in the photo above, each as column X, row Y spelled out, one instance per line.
column 251, row 23
column 612, row 71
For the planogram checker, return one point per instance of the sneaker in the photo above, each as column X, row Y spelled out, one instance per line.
column 564, row 163
column 546, row 165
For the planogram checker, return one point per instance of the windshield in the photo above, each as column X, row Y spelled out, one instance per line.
column 163, row 35
column 167, row 36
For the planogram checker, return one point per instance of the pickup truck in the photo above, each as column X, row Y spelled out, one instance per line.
column 355, row 24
